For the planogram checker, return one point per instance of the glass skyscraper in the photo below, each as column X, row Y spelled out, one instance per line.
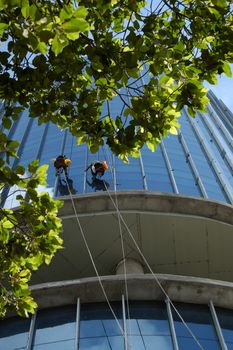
column 159, row 232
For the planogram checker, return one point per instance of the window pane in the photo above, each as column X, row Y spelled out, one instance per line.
column 14, row 333
column 149, row 320
column 158, row 342
column 199, row 321
column 225, row 318
column 99, row 329
column 55, row 325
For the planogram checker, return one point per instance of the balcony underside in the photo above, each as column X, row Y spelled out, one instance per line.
column 177, row 235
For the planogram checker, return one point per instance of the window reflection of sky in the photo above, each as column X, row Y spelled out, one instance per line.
column 151, row 172
column 147, row 328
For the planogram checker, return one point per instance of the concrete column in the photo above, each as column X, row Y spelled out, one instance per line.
column 131, row 265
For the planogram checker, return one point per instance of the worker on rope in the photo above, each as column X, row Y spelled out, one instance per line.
column 65, row 187
column 97, row 168
column 61, row 163
column 98, row 185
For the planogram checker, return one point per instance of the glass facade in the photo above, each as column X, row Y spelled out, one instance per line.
column 93, row 327
column 196, row 163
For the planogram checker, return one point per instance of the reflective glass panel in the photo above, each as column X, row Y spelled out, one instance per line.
column 99, row 329
column 198, row 319
column 55, row 328
column 14, row 333
column 225, row 318
column 148, row 326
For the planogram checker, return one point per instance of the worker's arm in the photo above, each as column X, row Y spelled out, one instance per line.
column 88, row 167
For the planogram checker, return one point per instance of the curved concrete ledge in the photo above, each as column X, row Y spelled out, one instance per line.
column 140, row 287
column 143, row 201
column 177, row 235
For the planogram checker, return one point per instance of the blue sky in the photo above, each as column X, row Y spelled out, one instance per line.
column 224, row 89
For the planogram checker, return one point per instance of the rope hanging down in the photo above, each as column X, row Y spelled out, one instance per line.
column 144, row 259
column 92, row 261
column 108, row 157
column 155, row 277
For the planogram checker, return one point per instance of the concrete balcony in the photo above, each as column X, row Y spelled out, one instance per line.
column 177, row 235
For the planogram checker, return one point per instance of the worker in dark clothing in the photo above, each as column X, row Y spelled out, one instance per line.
column 98, row 185
column 97, row 168
column 61, row 163
column 63, row 189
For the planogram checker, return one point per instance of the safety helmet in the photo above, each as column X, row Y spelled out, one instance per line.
column 104, row 165
column 67, row 162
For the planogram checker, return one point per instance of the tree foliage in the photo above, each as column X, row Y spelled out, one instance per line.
column 29, row 236
column 65, row 61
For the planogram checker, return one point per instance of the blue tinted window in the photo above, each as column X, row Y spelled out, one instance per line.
column 32, row 143
column 129, row 176
column 99, row 329
column 107, row 180
column 181, row 168
column 14, row 333
column 156, row 171
column 55, row 328
column 158, row 342
column 199, row 321
column 207, row 174
column 77, row 154
column 225, row 318
column 51, row 149
column 148, row 325
column 213, row 146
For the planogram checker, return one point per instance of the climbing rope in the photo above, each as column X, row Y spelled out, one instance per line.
column 92, row 261
column 154, row 276
column 122, row 248
column 124, row 334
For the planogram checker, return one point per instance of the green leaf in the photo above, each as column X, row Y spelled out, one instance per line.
column 80, row 12
column 42, row 174
column 173, row 130
column 25, row 8
column 73, row 36
column 179, row 47
column 220, row 3
column 19, row 169
column 33, row 11
column 42, row 47
column 32, row 194
column 7, row 224
column 66, row 12
column 166, row 80
column 6, row 122
column 3, row 26
column 32, row 167
column 151, row 145
column 227, row 69
column 12, row 145
column 58, row 44
column 76, row 25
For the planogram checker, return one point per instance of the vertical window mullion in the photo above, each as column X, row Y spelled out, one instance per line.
column 193, row 166
column 217, row 141
column 143, row 173
column 171, row 324
column 85, row 172
column 169, row 167
column 77, row 328
column 218, row 122
column 124, row 324
column 31, row 332
column 214, row 164
column 217, row 326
